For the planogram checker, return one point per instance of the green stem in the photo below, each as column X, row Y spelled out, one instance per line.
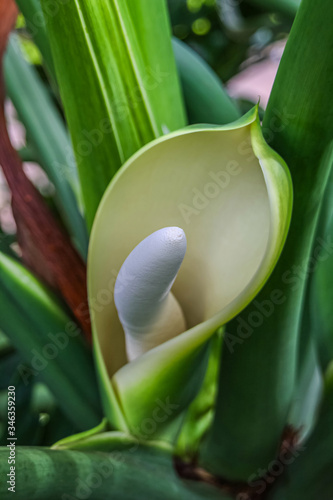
column 205, row 98
column 259, row 360
column 309, row 473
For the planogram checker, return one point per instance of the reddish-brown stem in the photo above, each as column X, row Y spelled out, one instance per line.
column 46, row 249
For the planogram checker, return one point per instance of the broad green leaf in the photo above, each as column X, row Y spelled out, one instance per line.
column 205, row 98
column 49, row 341
column 232, row 195
column 118, row 93
column 130, row 475
column 48, row 135
column 259, row 364
column 151, row 24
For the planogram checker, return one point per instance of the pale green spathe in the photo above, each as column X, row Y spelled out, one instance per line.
column 232, row 195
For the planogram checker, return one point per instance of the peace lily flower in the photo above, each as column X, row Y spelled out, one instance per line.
column 232, row 196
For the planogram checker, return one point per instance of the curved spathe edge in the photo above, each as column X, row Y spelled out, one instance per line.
column 136, row 391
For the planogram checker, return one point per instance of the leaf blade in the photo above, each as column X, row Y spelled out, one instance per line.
column 33, row 320
column 113, row 104
column 205, row 98
column 48, row 134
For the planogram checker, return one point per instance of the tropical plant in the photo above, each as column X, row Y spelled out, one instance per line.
column 166, row 320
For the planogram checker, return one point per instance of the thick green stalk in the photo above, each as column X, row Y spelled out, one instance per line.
column 117, row 93
column 309, row 472
column 308, row 384
column 47, row 133
column 259, row 359
column 321, row 283
column 127, row 475
column 315, row 337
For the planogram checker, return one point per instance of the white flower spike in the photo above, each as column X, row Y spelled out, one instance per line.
column 148, row 311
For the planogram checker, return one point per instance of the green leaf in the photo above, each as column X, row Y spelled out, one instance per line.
column 205, row 98
column 118, row 93
column 259, row 367
column 150, row 21
column 82, row 440
column 225, row 187
column 50, row 342
column 308, row 385
column 129, row 475
column 200, row 414
column 320, row 289
column 35, row 22
column 48, row 135
column 9, row 360
column 28, row 153
column 315, row 349
column 28, row 430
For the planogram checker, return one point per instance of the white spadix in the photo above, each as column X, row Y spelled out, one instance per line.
column 147, row 309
